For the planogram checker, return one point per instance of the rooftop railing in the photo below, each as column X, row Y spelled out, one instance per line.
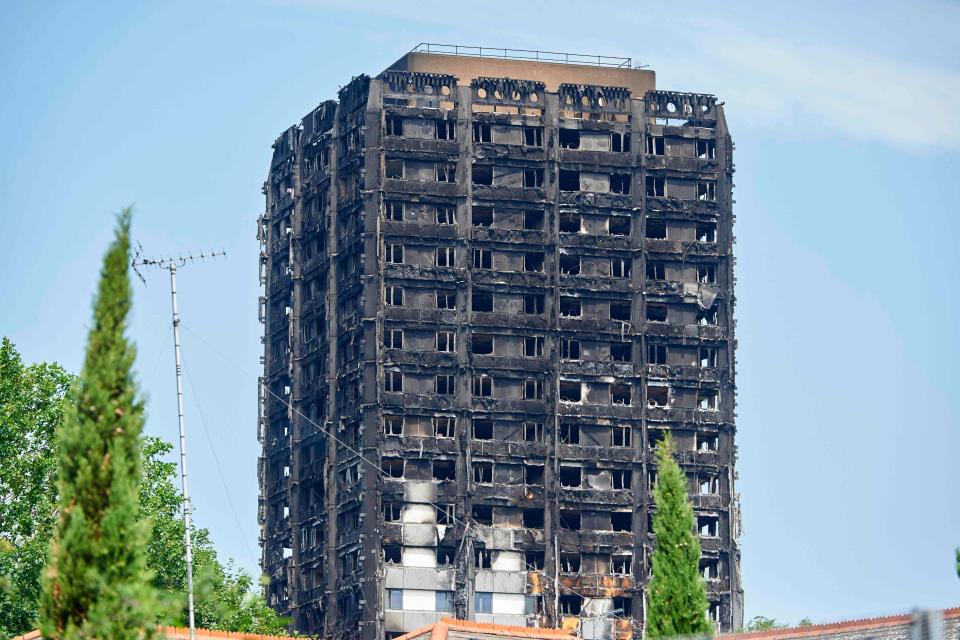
column 523, row 54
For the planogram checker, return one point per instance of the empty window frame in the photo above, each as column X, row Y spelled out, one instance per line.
column 482, row 558
column 482, row 429
column 392, row 554
column 533, row 389
column 446, row 341
column 707, row 316
column 533, row 346
column 570, row 519
column 392, row 511
column 533, row 178
column 393, row 168
column 446, row 129
column 708, row 526
column 618, row 226
column 533, row 261
column 620, row 393
column 446, row 214
column 569, row 138
column 570, row 562
column 570, row 222
column 481, row 344
column 706, row 442
column 656, row 354
column 482, row 471
column 707, row 191
column 394, row 253
column 445, row 384
column 622, row 478
column 620, row 141
column 706, row 232
column 708, row 399
column 533, row 518
column 393, row 210
column 656, row 271
column 707, row 273
column 481, row 216
column 444, row 426
column 481, row 132
column 394, row 126
column 620, row 267
column 656, row 229
column 656, row 187
column 482, row 174
column 571, row 477
column 393, row 296
column 482, row 259
column 444, row 470
column 446, row 299
column 569, row 180
column 708, row 485
column 533, row 303
column 533, row 475
column 445, row 256
column 533, row 432
column 569, row 264
column 446, row 513
column 393, row 338
column 445, row 557
column 482, row 386
column 655, row 145
column 621, row 351
column 393, row 425
column 570, row 605
column 620, row 183
column 621, row 564
column 569, row 433
column 658, row 396
column 620, row 310
column 446, row 172
column 393, row 467
column 621, row 520
column 569, row 349
column 533, row 136
column 657, row 312
column 571, row 391
column 707, row 149
column 393, row 381
column 481, row 301
column 533, row 219
column 708, row 356
column 621, row 435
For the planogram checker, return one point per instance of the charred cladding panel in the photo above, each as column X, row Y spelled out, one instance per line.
column 485, row 301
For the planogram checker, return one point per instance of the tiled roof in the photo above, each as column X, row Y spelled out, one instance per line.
column 832, row 627
column 439, row 630
column 182, row 633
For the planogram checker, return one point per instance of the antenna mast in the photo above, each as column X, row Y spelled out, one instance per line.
column 171, row 265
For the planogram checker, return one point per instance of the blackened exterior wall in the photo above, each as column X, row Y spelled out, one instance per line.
column 484, row 303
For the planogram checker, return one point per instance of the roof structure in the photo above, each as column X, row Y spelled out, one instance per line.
column 448, row 627
column 832, row 628
column 182, row 633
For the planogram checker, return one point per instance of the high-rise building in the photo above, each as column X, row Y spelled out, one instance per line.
column 491, row 285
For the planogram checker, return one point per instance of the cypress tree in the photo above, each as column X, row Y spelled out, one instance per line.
column 96, row 584
column 678, row 599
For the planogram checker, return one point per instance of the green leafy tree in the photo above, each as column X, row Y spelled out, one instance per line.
column 805, row 622
column 761, row 623
column 97, row 584
column 678, row 599
column 31, row 408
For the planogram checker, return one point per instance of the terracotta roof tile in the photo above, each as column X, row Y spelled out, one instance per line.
column 831, row 627
column 439, row 630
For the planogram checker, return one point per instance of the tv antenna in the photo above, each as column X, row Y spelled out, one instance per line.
column 172, row 264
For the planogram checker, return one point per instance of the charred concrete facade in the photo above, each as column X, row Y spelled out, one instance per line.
column 486, row 299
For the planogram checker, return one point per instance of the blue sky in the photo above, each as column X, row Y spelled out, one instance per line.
column 848, row 149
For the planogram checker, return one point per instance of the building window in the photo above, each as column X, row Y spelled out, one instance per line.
column 482, row 386
column 481, row 132
column 533, row 346
column 446, row 341
column 394, row 211
column 620, row 394
column 395, row 599
column 708, row 400
column 481, row 216
column 656, row 271
column 481, row 344
column 393, row 381
column 657, row 312
column 621, row 565
column 533, row 304
column 394, row 126
column 706, row 232
column 533, row 389
column 482, row 429
column 444, row 426
column 446, row 130
column 444, row 601
column 445, row 513
column 707, row 317
column 707, row 191
column 394, row 169
column 621, row 435
column 483, row 602
column 618, row 226
column 393, row 338
column 656, row 187
column 708, row 356
column 446, row 215
column 620, row 267
column 533, row 178
column 482, row 259
column 707, row 273
column 707, row 149
column 620, row 183
column 446, row 172
column 482, row 175
column 570, row 391
column 621, row 351
column 620, row 142
column 569, row 180
column 533, row 219
column 533, row 262
column 445, row 256
column 393, row 296
column 569, row 349
column 569, row 138
column 569, row 264
column 392, row 511
column 533, row 432
column 570, row 222
column 656, row 354
column 655, row 145
column 393, row 425
column 656, row 229
column 482, row 472
column 481, row 301
column 570, row 307
column 533, row 136
column 444, row 384
column 446, row 299
column 394, row 253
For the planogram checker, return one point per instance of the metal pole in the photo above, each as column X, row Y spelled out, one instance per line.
column 183, row 449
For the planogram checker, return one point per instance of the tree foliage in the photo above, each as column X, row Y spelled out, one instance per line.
column 31, row 407
column 678, row 600
column 97, row 584
column 761, row 623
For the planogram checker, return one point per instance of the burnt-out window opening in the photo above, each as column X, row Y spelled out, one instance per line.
column 482, row 216
column 533, row 346
column 620, row 310
column 707, row 191
column 569, row 138
column 618, row 226
column 394, row 126
column 533, row 389
column 621, row 564
column 393, row 338
column 533, row 475
column 446, row 214
column 621, row 351
column 533, row 219
column 655, row 145
column 570, row 562
column 620, row 394
column 654, row 437
column 533, row 178
column 656, row 229
column 707, row 316
column 656, row 354
column 392, row 511
column 570, row 391
column 706, row 232
column 707, row 273
column 446, row 172
column 482, row 429
column 570, row 605
column 707, row 442
column 483, row 514
column 444, row 426
column 393, row 425
column 570, row 307
column 622, row 606
column 392, row 554
column 570, row 519
column 569, row 432
column 481, row 344
column 656, row 271
column 445, row 384
column 534, row 560
column 482, row 386
column 620, row 267
column 622, row 478
column 657, row 312
column 658, row 396
column 533, row 303
column 393, row 467
column 446, row 341
column 482, row 174
column 393, row 210
column 620, row 183
column 394, row 169
column 571, row 477
column 708, row 526
column 446, row 129
column 482, row 259
column 708, row 399
column 393, row 296
column 446, row 514
column 445, row 557
column 570, row 222
column 481, row 132
column 569, row 349
column 533, row 431
column 393, row 380
column 446, row 299
column 533, row 261
column 533, row 518
column 445, row 256
column 708, row 356
column 394, row 253
column 707, row 149
column 656, row 187
column 620, row 142
column 621, row 520
column 621, row 435
column 708, row 485
column 533, row 136
column 444, row 470
column 569, row 180
column 482, row 472
column 481, row 301
column 569, row 264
